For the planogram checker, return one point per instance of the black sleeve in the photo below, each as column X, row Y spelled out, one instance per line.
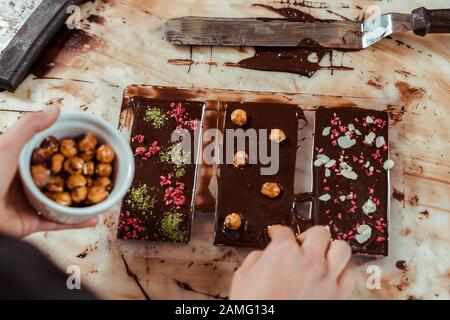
column 25, row 273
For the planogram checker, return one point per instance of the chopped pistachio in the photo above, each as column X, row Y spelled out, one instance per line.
column 327, row 172
column 349, row 174
column 369, row 119
column 175, row 156
column 326, row 131
column 170, row 227
column 156, row 117
column 330, row 163
column 369, row 207
column 368, row 139
column 388, row 164
column 141, row 199
column 346, row 142
column 325, row 197
column 379, row 142
column 364, row 233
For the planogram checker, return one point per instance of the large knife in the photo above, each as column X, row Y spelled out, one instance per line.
column 20, row 53
column 287, row 33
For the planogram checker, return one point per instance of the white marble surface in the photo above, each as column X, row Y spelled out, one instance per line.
column 126, row 48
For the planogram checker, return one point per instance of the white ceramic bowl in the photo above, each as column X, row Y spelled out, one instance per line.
column 70, row 125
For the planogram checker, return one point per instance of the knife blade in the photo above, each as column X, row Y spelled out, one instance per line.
column 21, row 52
column 264, row 32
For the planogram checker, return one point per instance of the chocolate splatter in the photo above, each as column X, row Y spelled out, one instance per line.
column 93, row 18
column 305, row 4
column 398, row 195
column 65, row 41
column 414, row 201
column 181, row 62
column 304, row 60
column 374, row 84
column 425, row 213
column 396, row 113
column 135, row 278
column 401, row 264
column 188, row 287
column 408, row 94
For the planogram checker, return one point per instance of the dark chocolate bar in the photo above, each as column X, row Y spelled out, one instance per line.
column 240, row 188
column 159, row 205
column 351, row 184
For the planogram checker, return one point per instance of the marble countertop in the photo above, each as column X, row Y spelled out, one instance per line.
column 120, row 44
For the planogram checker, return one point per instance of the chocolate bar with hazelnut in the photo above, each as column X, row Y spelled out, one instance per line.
column 159, row 204
column 249, row 202
column 351, row 177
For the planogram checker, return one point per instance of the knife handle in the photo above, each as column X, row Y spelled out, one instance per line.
column 426, row 21
column 23, row 50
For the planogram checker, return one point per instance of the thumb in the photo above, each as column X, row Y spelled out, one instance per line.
column 30, row 124
column 20, row 133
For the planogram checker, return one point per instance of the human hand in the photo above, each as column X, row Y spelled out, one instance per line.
column 17, row 217
column 315, row 269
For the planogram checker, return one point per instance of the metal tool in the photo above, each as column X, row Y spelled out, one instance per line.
column 21, row 52
column 287, row 33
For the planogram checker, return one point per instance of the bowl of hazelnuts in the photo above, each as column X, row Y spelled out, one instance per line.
column 78, row 168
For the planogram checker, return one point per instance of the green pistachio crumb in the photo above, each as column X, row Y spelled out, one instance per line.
column 175, row 156
column 141, row 199
column 170, row 227
column 156, row 117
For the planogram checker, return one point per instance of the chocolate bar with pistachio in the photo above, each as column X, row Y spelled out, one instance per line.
column 351, row 177
column 159, row 204
column 249, row 201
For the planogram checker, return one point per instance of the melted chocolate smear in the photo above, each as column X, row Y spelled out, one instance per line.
column 93, row 18
column 188, row 287
column 305, row 4
column 401, row 264
column 64, row 41
column 291, row 60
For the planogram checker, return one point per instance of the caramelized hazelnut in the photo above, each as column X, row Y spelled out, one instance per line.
column 62, row 198
column 79, row 194
column 277, row 135
column 271, row 190
column 51, row 143
column 68, row 148
column 105, row 154
column 56, row 184
column 89, row 182
column 104, row 182
column 74, row 165
column 239, row 117
column 87, row 155
column 40, row 175
column 240, row 159
column 41, row 155
column 89, row 168
column 97, row 194
column 87, row 143
column 76, row 181
column 233, row 221
column 103, row 169
column 57, row 163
